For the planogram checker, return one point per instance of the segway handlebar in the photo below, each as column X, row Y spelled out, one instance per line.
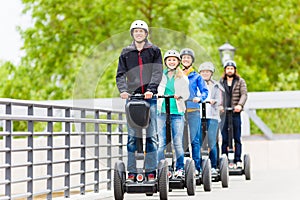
column 142, row 96
column 136, row 96
column 199, row 101
column 229, row 109
column 164, row 96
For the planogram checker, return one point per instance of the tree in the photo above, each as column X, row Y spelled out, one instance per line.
column 67, row 36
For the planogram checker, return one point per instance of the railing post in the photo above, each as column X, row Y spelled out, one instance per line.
column 96, row 164
column 8, row 146
column 30, row 154
column 120, row 137
column 67, row 152
column 50, row 154
column 109, row 153
column 83, row 153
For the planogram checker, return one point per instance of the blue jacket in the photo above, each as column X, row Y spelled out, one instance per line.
column 197, row 89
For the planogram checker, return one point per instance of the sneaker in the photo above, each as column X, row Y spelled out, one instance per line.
column 151, row 177
column 239, row 165
column 231, row 165
column 131, row 178
column 179, row 173
column 197, row 172
column 214, row 172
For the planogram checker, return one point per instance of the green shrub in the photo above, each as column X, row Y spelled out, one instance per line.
column 278, row 120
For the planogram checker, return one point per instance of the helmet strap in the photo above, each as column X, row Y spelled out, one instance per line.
column 169, row 70
column 185, row 68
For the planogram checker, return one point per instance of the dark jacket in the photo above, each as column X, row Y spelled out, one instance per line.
column 237, row 95
column 139, row 71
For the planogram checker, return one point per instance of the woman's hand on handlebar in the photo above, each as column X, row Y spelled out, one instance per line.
column 177, row 97
column 212, row 102
column 221, row 109
column 196, row 100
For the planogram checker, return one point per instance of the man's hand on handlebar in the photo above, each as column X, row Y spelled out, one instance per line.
column 237, row 108
column 124, row 95
column 148, row 95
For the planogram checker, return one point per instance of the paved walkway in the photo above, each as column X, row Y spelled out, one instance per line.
column 275, row 176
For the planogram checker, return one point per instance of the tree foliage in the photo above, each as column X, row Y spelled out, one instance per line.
column 65, row 34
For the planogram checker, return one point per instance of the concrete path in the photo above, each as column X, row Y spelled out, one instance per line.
column 275, row 175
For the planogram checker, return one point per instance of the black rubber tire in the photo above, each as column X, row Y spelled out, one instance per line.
column 149, row 194
column 224, row 173
column 190, row 180
column 247, row 167
column 206, row 175
column 160, row 167
column 163, row 180
column 119, row 180
column 186, row 166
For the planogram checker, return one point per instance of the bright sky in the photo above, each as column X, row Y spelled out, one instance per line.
column 10, row 40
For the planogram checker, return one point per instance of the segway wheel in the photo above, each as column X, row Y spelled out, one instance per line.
column 206, row 175
column 247, row 166
column 163, row 180
column 190, row 180
column 119, row 180
column 224, row 173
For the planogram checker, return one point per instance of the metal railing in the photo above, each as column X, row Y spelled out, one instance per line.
column 51, row 149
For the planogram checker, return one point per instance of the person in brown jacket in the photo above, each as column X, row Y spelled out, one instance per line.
column 234, row 96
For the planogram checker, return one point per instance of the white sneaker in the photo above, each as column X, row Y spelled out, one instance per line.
column 231, row 165
column 196, row 172
column 179, row 173
column 239, row 165
column 214, row 172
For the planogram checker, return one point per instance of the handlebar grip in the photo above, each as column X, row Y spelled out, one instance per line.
column 165, row 96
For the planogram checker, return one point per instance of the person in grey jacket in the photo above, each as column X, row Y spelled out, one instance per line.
column 140, row 72
column 207, row 70
column 234, row 96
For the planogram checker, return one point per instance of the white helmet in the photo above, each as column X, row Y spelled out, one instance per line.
column 139, row 24
column 207, row 66
column 172, row 53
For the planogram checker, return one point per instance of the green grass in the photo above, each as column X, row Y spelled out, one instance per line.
column 283, row 121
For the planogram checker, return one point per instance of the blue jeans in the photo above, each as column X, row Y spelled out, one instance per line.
column 236, row 120
column 151, row 143
column 212, row 129
column 194, row 121
column 177, row 125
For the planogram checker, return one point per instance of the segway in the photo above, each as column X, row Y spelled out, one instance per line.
column 137, row 114
column 188, row 180
column 222, row 170
column 205, row 177
column 233, row 170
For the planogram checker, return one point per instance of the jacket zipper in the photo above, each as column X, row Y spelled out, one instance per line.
column 141, row 71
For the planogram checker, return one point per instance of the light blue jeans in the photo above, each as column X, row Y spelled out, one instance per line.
column 194, row 121
column 151, row 143
column 212, row 130
column 177, row 125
